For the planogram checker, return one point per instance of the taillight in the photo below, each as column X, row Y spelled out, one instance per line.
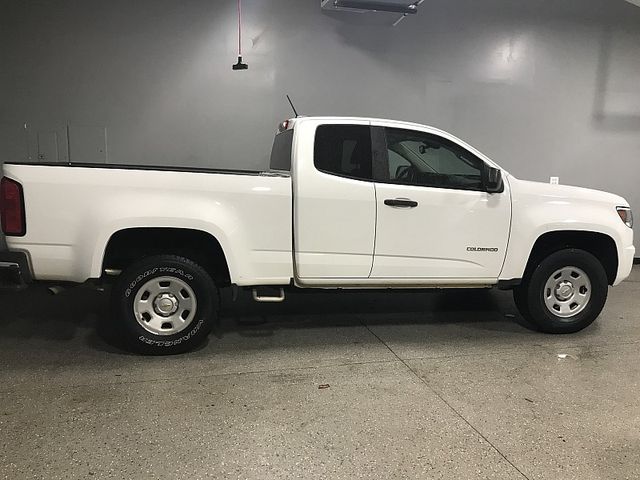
column 12, row 208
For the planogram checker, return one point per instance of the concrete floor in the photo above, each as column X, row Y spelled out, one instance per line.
column 421, row 385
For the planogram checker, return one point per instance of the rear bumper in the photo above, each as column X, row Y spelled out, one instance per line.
column 14, row 270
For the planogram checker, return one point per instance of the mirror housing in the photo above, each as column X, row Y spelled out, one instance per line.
column 492, row 179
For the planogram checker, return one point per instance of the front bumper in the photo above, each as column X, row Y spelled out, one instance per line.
column 14, row 270
column 625, row 264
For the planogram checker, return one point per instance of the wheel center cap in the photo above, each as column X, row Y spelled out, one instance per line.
column 165, row 304
column 564, row 291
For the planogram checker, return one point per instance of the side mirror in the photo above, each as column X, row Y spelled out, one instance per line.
column 492, row 180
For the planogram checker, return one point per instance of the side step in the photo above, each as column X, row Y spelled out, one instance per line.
column 268, row 294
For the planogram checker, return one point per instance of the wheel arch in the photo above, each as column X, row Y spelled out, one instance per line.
column 130, row 244
column 600, row 245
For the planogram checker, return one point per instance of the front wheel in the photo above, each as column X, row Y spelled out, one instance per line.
column 165, row 304
column 564, row 293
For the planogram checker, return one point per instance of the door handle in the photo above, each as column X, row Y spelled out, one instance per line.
column 400, row 203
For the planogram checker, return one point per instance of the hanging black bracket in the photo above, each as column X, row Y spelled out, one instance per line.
column 240, row 65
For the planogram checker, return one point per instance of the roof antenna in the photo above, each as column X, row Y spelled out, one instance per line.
column 240, row 65
column 292, row 107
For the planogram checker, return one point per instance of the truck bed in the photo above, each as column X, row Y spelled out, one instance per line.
column 73, row 210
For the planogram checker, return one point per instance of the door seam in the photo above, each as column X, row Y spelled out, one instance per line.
column 375, row 228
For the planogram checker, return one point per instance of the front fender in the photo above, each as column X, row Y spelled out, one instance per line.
column 537, row 214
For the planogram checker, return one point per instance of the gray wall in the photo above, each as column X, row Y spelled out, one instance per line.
column 544, row 87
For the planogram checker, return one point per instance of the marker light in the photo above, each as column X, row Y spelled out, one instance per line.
column 626, row 216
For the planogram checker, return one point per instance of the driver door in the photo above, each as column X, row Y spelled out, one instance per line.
column 435, row 222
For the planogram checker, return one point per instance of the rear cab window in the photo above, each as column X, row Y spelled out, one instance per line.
column 281, row 151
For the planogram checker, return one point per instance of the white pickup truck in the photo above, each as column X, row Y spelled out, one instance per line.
column 347, row 203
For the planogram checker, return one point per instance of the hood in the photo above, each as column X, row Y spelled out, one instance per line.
column 565, row 192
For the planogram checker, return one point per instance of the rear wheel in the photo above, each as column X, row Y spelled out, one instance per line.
column 165, row 304
column 564, row 293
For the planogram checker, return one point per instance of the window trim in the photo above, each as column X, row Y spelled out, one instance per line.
column 383, row 153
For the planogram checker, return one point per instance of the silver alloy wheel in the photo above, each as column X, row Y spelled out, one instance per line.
column 567, row 292
column 165, row 305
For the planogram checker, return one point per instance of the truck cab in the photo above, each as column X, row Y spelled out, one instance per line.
column 390, row 203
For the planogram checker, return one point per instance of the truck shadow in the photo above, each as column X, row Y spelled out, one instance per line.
column 482, row 309
column 84, row 313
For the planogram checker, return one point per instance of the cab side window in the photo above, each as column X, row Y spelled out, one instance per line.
column 396, row 164
column 423, row 159
column 344, row 150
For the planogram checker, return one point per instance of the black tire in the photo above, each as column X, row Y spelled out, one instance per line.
column 192, row 282
column 530, row 295
column 520, row 299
